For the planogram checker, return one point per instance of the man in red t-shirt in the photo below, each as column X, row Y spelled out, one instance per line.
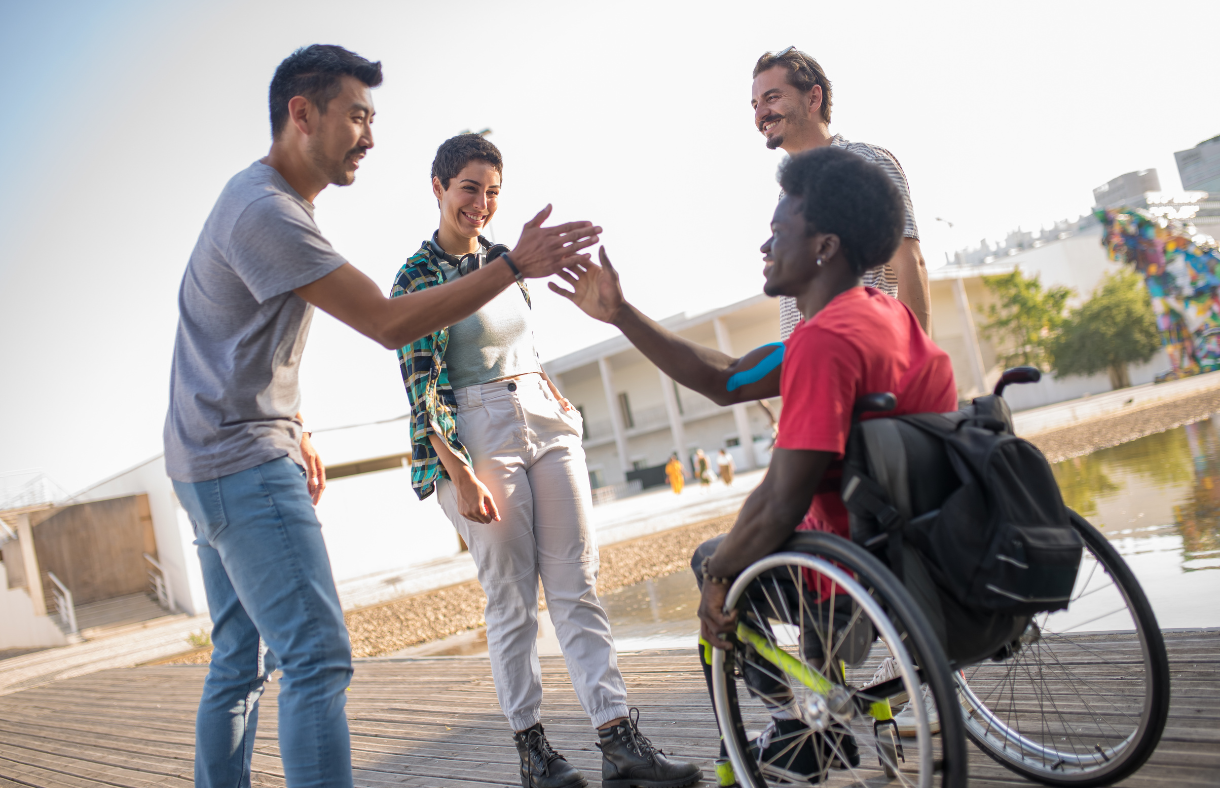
column 840, row 216
column 860, row 343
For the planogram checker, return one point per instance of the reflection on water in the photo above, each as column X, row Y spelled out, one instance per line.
column 1157, row 500
column 661, row 613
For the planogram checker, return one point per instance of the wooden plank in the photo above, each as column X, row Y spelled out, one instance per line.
column 431, row 722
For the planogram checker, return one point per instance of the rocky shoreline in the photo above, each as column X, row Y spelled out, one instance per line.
column 1101, row 433
column 392, row 626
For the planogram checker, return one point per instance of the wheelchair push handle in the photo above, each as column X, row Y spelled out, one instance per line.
column 880, row 402
column 1017, row 375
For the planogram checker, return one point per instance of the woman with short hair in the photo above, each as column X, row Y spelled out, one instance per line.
column 501, row 447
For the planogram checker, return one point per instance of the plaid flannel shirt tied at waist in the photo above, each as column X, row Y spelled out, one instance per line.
column 427, row 379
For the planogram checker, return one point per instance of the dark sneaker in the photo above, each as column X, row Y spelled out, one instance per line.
column 629, row 760
column 542, row 767
column 839, row 747
column 788, row 751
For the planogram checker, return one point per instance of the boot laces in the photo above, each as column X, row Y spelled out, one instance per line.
column 541, row 749
column 635, row 740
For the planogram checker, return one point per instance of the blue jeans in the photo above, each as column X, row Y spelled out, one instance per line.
column 273, row 601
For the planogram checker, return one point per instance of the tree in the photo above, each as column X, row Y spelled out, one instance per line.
column 1025, row 319
column 1114, row 328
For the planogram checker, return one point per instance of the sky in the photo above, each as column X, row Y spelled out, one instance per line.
column 123, row 120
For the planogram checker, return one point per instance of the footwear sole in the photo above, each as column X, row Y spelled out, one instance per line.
column 681, row 782
column 580, row 782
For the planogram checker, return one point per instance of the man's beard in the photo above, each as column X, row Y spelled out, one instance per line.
column 337, row 173
column 774, row 141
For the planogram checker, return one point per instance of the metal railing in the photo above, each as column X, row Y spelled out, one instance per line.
column 156, row 576
column 64, row 607
column 613, row 492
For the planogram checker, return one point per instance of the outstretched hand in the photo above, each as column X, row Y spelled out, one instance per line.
column 595, row 288
column 543, row 251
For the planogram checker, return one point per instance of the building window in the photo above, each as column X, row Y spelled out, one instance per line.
column 624, row 406
column 731, row 442
column 596, row 479
column 639, row 465
column 678, row 397
column 584, row 423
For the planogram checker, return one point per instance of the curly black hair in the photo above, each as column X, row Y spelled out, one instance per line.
column 456, row 152
column 314, row 72
column 847, row 196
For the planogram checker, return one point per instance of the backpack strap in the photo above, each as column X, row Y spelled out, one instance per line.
column 864, row 497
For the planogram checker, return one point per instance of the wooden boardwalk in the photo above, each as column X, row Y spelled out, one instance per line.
column 434, row 722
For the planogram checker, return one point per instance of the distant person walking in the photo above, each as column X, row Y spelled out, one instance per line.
column 724, row 461
column 703, row 469
column 676, row 474
column 502, row 449
column 234, row 444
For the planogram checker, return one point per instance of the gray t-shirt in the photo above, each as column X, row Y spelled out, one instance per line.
column 495, row 342
column 233, row 393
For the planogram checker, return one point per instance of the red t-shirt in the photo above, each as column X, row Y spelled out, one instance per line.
column 862, row 342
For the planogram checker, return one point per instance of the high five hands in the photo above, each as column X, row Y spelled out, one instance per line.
column 543, row 251
column 595, row 288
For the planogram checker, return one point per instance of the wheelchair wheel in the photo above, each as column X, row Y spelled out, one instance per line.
column 1083, row 700
column 797, row 698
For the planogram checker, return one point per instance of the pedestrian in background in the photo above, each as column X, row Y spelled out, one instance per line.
column 724, row 461
column 676, row 474
column 703, row 469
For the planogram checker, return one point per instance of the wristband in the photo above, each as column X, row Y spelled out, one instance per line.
column 511, row 266
column 709, row 578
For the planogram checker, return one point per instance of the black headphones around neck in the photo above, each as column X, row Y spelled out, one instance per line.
column 468, row 262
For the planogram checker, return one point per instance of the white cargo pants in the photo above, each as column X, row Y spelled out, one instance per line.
column 527, row 451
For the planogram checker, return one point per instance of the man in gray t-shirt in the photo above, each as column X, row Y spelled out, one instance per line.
column 241, row 331
column 233, row 441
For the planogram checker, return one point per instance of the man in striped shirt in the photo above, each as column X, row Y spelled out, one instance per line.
column 792, row 99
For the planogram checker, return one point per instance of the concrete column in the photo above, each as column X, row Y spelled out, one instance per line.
column 29, row 560
column 974, row 354
column 676, row 428
column 741, row 417
column 616, row 418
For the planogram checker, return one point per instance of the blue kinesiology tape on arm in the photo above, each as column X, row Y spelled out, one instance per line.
column 759, row 370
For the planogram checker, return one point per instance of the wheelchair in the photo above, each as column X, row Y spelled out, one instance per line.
column 830, row 638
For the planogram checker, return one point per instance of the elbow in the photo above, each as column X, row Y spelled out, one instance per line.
column 391, row 337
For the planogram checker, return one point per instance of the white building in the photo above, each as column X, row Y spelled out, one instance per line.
column 383, row 542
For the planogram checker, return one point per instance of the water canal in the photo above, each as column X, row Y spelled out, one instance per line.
column 1157, row 499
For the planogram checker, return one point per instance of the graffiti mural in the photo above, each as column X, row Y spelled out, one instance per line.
column 1182, row 274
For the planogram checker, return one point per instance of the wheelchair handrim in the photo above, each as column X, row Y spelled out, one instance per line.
column 885, row 630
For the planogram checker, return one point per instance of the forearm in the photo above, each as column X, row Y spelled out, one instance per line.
column 354, row 299
column 454, row 465
column 695, row 366
column 762, row 527
column 908, row 264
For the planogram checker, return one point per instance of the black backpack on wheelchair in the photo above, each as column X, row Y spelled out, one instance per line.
column 979, row 505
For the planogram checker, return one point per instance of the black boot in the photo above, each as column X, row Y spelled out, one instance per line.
column 629, row 760
column 542, row 767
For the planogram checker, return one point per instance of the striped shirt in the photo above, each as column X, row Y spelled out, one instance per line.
column 883, row 277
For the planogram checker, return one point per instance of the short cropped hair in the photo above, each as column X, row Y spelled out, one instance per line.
column 847, row 196
column 315, row 72
column 456, row 152
column 803, row 73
